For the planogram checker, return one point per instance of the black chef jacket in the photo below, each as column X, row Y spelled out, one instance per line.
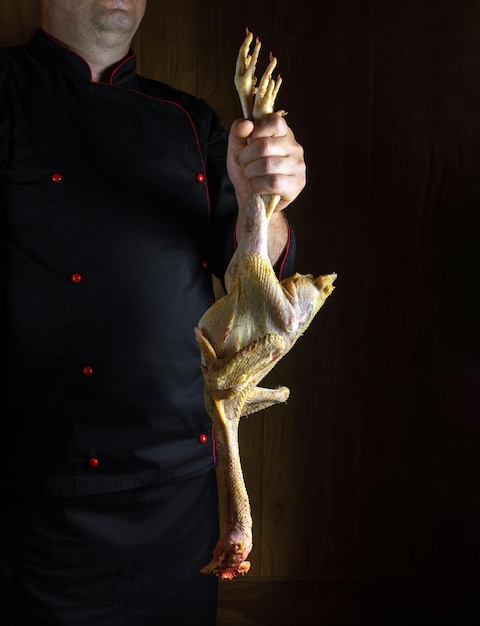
column 116, row 209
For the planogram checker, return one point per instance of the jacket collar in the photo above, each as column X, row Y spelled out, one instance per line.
column 43, row 45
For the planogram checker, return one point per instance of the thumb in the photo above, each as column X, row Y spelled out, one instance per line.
column 240, row 130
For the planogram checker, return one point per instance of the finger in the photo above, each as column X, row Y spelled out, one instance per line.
column 272, row 125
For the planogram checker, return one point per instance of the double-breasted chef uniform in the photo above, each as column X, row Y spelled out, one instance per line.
column 116, row 209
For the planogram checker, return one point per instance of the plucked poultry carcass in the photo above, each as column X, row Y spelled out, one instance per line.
column 246, row 332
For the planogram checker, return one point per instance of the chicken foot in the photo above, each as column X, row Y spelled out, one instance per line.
column 244, row 334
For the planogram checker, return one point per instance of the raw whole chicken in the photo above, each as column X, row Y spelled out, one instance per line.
column 246, row 332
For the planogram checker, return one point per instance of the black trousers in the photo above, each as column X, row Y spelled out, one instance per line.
column 121, row 559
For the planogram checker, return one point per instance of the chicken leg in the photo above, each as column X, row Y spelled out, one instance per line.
column 246, row 332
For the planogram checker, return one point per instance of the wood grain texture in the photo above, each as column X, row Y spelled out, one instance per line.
column 18, row 20
column 370, row 470
column 309, row 602
column 168, row 43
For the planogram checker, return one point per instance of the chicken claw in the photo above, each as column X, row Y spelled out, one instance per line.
column 255, row 101
column 245, row 79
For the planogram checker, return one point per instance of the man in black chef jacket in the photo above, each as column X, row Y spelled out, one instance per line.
column 117, row 209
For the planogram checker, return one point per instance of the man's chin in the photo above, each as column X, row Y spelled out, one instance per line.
column 117, row 20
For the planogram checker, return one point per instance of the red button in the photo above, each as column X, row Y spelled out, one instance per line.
column 200, row 177
column 202, row 438
column 204, row 264
column 56, row 177
column 76, row 278
column 93, row 462
column 87, row 370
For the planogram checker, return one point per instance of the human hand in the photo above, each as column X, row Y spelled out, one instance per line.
column 264, row 157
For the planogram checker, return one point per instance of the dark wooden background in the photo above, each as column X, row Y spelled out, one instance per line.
column 370, row 472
